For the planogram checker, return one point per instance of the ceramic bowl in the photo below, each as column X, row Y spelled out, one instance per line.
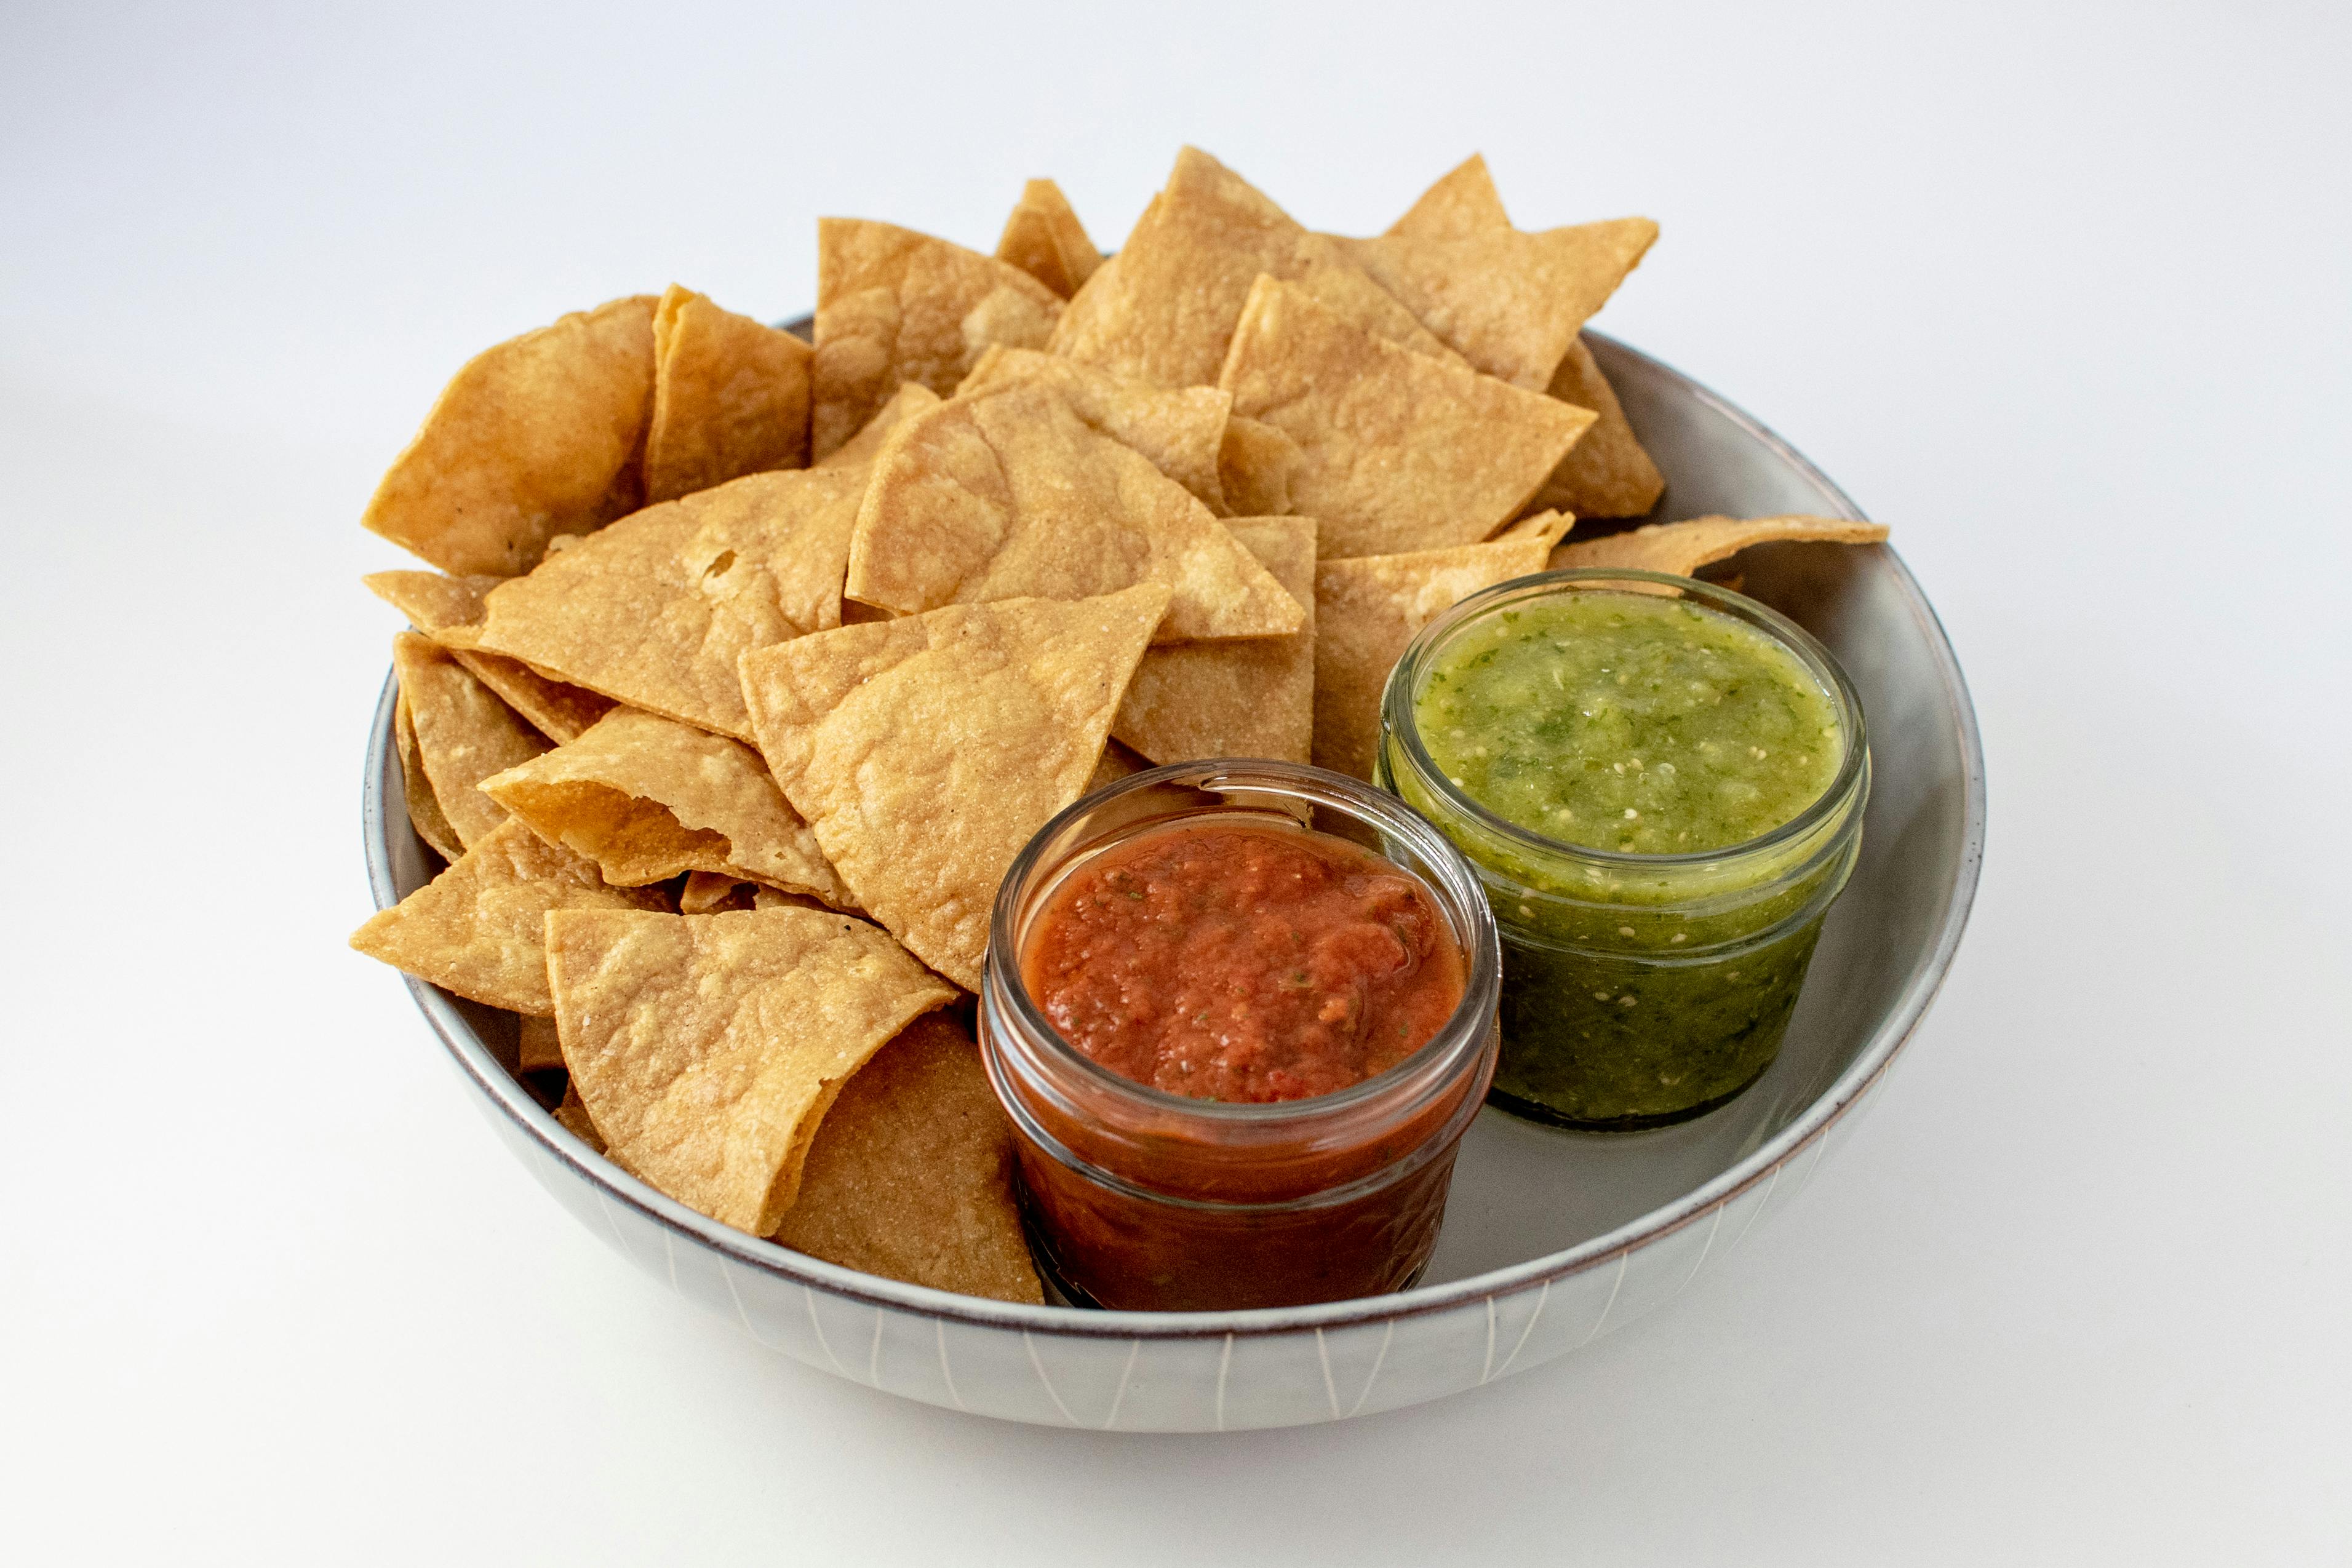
column 1552, row 1239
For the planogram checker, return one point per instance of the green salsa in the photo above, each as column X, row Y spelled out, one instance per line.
column 1654, row 979
column 1629, row 722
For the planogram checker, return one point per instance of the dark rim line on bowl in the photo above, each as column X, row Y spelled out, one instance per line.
column 1810, row 1127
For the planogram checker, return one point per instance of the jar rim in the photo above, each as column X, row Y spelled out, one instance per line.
column 1400, row 722
column 1455, row 887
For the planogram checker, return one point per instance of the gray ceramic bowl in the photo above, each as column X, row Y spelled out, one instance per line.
column 1551, row 1238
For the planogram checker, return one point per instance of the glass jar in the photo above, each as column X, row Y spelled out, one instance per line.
column 1137, row 1198
column 1638, row 989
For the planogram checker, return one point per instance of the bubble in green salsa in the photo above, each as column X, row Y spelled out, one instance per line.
column 1631, row 722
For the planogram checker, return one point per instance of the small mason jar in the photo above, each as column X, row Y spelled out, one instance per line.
column 1638, row 989
column 1140, row 1200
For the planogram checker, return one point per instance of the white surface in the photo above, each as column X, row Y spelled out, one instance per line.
column 2062, row 297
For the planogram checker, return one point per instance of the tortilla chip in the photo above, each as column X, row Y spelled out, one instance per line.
column 425, row 813
column 1464, row 201
column 537, row 1048
column 1166, row 308
column 1045, row 239
column 1398, row 451
column 464, row 733
column 1509, row 302
column 773, row 898
column 910, row 1175
column 1181, row 430
column 648, row 799
column 709, row 893
column 478, row 928
column 1116, row 763
column 861, row 449
column 706, row 1047
column 573, row 1114
column 1368, row 609
column 730, row 398
column 1682, row 548
column 1011, row 496
column 1250, row 698
column 655, row 609
column 896, row 305
column 450, row 611
column 538, row 437
column 925, row 751
column 1254, row 466
column 1606, row 474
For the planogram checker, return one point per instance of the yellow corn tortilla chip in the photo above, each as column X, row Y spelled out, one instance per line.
column 537, row 1048
column 648, row 799
column 424, row 812
column 1166, row 308
column 895, row 305
column 1043, row 238
column 655, row 609
column 860, row 450
column 539, row 437
column 1606, row 474
column 1463, row 201
column 1116, row 763
column 478, row 928
column 450, row 611
column 1181, row 430
column 1253, row 466
column 573, row 1114
column 1013, row 496
column 706, row 1047
column 1368, row 609
column 1398, row 451
column 1248, row 698
column 772, row 898
column 464, row 733
column 1684, row 547
column 1509, row 302
column 730, row 398
column 709, row 893
column 910, row 1175
column 925, row 751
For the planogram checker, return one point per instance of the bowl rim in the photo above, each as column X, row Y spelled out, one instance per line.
column 378, row 814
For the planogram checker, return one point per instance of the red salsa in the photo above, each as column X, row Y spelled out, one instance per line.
column 1227, row 962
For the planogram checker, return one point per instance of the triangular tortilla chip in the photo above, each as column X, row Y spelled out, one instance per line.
column 1684, row 547
column 1398, row 451
column 910, row 1176
column 1463, row 201
column 1368, row 609
column 478, row 928
column 1166, row 308
column 896, row 305
column 1180, row 428
column 1254, row 466
column 1045, row 239
column 1510, row 303
column 861, row 449
column 1606, row 474
column 706, row 1047
column 537, row 1047
column 464, row 733
column 1116, row 763
column 450, row 611
column 539, row 437
column 656, row 610
column 425, row 813
column 648, row 799
column 709, row 893
column 730, row 398
column 1013, row 496
column 1249, row 698
column 925, row 751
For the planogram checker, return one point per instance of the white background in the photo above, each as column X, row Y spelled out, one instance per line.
column 2064, row 293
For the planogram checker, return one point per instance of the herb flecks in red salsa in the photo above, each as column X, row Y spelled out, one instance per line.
column 1236, row 963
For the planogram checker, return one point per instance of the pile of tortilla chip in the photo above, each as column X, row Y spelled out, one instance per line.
column 752, row 662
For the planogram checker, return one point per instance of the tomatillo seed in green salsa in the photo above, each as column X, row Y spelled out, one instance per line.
column 1629, row 722
column 1663, row 794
